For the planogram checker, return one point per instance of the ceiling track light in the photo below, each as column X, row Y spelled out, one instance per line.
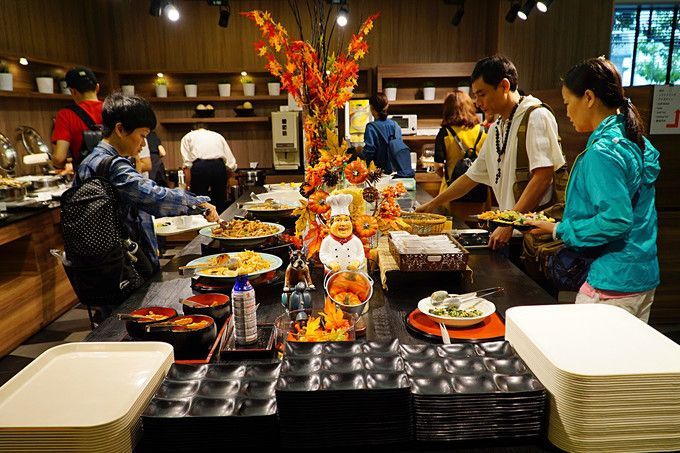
column 156, row 7
column 458, row 15
column 543, row 5
column 343, row 15
column 512, row 12
column 225, row 13
column 526, row 9
column 171, row 11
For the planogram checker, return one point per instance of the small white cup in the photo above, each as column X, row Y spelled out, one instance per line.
column 253, row 165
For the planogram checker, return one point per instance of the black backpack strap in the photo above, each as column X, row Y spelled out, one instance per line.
column 103, row 170
column 84, row 116
column 479, row 137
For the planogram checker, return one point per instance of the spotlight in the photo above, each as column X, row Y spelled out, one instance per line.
column 343, row 15
column 225, row 12
column 171, row 12
column 159, row 74
column 526, row 9
column 543, row 5
column 23, row 61
column 512, row 12
column 244, row 73
column 156, row 8
column 459, row 13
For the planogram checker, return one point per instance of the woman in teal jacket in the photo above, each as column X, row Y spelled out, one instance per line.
column 610, row 195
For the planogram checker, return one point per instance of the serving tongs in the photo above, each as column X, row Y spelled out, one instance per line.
column 129, row 317
column 162, row 326
column 456, row 300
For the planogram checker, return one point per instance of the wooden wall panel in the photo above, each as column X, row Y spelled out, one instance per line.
column 546, row 45
column 407, row 32
column 65, row 31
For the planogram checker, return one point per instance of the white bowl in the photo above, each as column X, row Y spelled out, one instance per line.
column 486, row 307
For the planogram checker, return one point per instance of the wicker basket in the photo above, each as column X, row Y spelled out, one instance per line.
column 424, row 224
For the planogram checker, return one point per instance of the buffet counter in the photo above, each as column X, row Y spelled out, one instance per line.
column 387, row 308
column 34, row 290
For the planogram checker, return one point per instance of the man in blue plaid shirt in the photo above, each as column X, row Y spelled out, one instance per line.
column 127, row 120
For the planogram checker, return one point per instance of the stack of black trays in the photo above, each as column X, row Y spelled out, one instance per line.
column 213, row 407
column 465, row 392
column 339, row 395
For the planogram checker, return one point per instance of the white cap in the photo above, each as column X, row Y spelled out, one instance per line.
column 339, row 204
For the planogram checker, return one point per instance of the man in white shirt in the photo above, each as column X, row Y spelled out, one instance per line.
column 494, row 87
column 207, row 157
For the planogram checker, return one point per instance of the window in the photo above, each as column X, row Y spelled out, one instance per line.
column 645, row 43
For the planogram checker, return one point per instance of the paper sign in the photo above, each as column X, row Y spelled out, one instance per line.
column 665, row 110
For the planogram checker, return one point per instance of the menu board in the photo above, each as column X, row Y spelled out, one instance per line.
column 665, row 110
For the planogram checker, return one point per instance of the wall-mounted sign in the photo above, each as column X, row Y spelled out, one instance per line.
column 665, row 110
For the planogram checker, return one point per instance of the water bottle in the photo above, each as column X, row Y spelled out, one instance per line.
column 243, row 309
column 180, row 179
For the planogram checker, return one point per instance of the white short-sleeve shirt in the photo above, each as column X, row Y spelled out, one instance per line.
column 543, row 149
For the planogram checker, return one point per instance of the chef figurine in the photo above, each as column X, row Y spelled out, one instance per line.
column 341, row 249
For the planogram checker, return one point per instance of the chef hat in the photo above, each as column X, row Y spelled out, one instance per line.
column 339, row 204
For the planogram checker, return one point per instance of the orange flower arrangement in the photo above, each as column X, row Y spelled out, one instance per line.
column 319, row 80
column 356, row 172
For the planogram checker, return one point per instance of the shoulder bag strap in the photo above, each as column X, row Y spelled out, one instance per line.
column 84, row 116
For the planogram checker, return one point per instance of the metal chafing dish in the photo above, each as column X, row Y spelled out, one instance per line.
column 12, row 190
column 42, row 182
column 32, row 141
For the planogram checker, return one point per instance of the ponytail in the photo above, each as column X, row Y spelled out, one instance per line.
column 633, row 123
column 601, row 77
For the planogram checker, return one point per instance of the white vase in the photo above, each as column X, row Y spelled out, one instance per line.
column 6, row 81
column 63, row 87
column 249, row 89
column 128, row 90
column 45, row 84
column 391, row 93
column 224, row 89
column 274, row 88
column 191, row 90
column 428, row 93
column 161, row 91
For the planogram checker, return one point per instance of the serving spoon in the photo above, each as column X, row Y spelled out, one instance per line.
column 459, row 299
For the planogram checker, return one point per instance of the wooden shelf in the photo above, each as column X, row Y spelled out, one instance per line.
column 262, row 97
column 189, row 72
column 416, row 102
column 429, row 70
column 233, row 119
column 35, row 95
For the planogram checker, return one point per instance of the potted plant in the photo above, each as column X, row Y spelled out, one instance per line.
column 161, row 87
column 391, row 90
column 224, row 88
column 274, row 86
column 248, row 85
column 63, row 87
column 45, row 82
column 429, row 91
column 127, row 88
column 190, row 89
column 6, row 79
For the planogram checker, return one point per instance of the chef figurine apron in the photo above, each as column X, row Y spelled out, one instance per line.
column 341, row 249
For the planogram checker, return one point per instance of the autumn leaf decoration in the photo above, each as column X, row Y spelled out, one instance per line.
column 330, row 325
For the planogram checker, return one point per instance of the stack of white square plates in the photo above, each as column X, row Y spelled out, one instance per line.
column 82, row 397
column 614, row 381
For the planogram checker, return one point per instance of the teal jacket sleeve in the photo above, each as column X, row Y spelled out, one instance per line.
column 603, row 183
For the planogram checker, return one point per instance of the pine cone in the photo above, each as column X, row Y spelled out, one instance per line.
column 331, row 179
column 374, row 176
column 306, row 190
column 370, row 194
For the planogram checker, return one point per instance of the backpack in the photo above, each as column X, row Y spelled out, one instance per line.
column 479, row 193
column 103, row 264
column 398, row 156
column 91, row 137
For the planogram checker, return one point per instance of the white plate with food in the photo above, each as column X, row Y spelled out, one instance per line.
column 230, row 265
column 242, row 232
column 282, row 186
column 470, row 312
column 269, row 209
column 291, row 197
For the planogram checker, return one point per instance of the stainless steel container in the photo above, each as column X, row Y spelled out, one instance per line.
column 9, row 194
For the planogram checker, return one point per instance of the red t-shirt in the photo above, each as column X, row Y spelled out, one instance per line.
column 69, row 127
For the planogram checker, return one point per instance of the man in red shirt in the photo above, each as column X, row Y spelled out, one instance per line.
column 68, row 126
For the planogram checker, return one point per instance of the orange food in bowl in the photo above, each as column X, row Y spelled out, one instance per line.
column 350, row 282
column 346, row 298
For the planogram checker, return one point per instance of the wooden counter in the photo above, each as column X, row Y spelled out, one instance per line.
column 34, row 289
